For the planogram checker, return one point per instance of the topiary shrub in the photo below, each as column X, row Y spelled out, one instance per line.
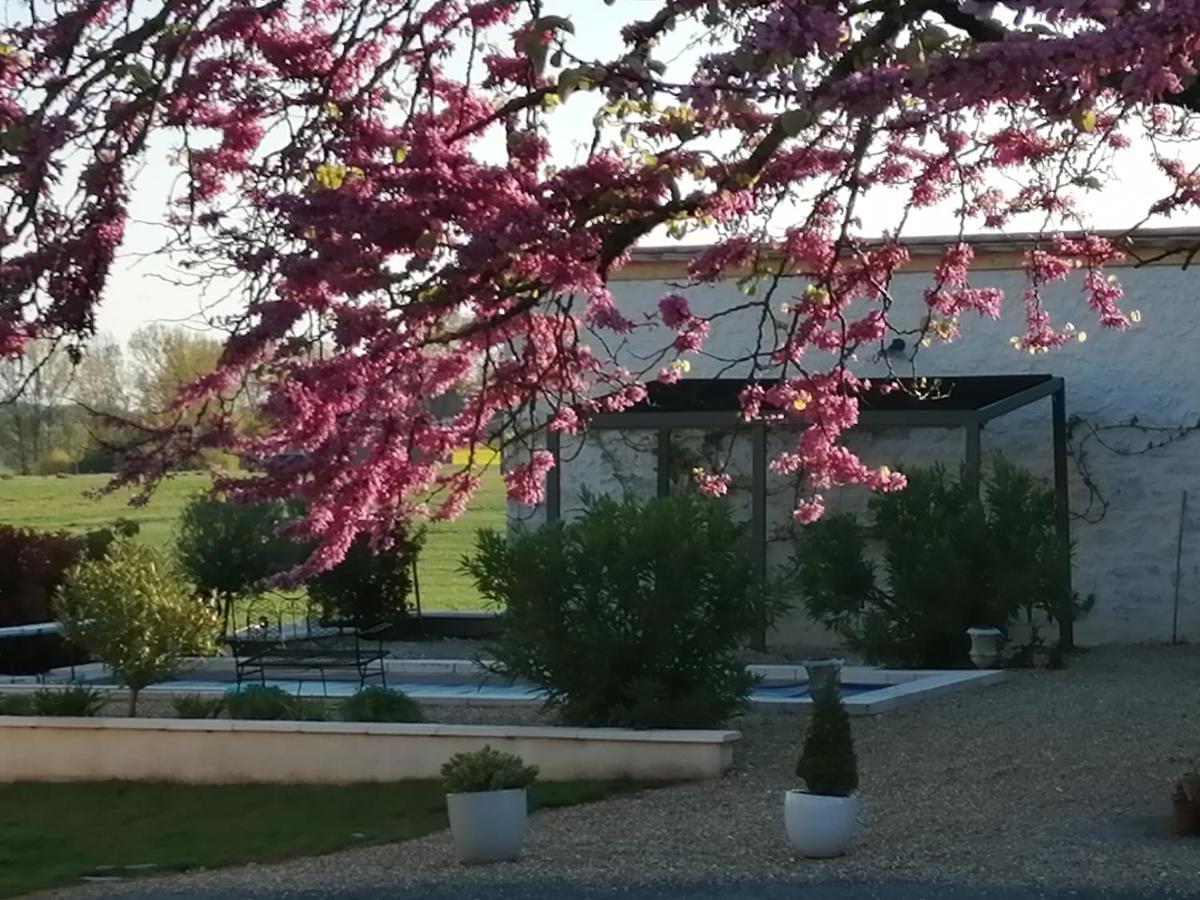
column 227, row 550
column 487, row 770
column 259, row 702
column 76, row 700
column 381, row 704
column 370, row 587
column 132, row 611
column 950, row 563
column 827, row 763
column 632, row 615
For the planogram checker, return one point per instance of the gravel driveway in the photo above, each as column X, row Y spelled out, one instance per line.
column 1052, row 780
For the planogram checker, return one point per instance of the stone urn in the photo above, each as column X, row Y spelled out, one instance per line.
column 822, row 672
column 985, row 646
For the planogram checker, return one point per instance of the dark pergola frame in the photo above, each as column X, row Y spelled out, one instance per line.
column 966, row 402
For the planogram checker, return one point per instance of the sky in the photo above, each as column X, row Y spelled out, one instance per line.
column 140, row 293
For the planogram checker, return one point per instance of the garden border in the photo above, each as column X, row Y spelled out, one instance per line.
column 223, row 751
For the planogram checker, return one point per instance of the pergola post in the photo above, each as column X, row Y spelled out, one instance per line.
column 973, row 457
column 758, row 516
column 664, row 462
column 554, row 478
column 1062, row 509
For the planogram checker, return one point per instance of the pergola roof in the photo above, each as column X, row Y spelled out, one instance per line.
column 948, row 401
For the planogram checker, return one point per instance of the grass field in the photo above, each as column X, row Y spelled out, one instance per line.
column 61, row 503
column 53, row 834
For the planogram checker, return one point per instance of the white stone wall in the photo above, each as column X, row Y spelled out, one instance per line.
column 1127, row 559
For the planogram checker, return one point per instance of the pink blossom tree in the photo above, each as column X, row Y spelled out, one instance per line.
column 376, row 177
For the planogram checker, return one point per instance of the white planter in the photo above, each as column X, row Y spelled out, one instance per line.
column 488, row 826
column 821, row 672
column 820, row 826
column 985, row 646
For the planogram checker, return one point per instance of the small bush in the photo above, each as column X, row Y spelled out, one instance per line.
column 16, row 705
column 74, row 700
column 370, row 586
column 632, row 615
column 259, row 702
column 133, row 611
column 307, row 709
column 827, row 764
column 486, row 770
column 381, row 704
column 194, row 706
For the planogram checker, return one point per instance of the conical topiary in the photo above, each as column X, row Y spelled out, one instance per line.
column 827, row 764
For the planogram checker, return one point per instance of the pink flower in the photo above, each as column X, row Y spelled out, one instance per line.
column 674, row 310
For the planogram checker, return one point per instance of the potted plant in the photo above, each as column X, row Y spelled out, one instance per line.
column 1185, row 803
column 486, row 800
column 821, row 819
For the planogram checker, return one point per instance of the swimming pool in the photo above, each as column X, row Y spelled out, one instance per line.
column 865, row 690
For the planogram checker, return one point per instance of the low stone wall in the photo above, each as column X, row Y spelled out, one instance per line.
column 225, row 752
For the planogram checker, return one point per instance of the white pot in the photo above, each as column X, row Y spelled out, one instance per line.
column 820, row 826
column 488, row 826
column 985, row 646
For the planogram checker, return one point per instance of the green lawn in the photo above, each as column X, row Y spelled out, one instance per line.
column 61, row 503
column 52, row 834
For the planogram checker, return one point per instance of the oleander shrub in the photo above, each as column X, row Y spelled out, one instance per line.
column 903, row 586
column 631, row 615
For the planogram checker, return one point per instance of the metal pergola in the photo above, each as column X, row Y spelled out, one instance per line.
column 968, row 402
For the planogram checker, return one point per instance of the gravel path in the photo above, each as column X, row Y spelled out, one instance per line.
column 1055, row 779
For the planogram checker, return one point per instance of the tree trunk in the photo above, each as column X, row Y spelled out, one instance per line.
column 133, row 699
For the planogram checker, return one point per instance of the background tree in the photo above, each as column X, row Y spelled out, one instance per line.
column 228, row 550
column 364, row 173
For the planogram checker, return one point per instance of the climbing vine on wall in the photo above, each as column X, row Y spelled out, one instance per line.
column 1139, row 439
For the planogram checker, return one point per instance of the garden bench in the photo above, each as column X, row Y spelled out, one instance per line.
column 317, row 652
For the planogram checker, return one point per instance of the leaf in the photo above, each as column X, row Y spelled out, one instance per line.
column 553, row 23
column 795, row 121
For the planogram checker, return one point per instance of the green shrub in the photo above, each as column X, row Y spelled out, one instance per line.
column 75, row 700
column 194, row 706
column 951, row 563
column 132, row 611
column 381, row 704
column 307, row 709
column 16, row 705
column 370, row 587
column 632, row 615
column 827, row 764
column 228, row 549
column 486, row 770
column 259, row 702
